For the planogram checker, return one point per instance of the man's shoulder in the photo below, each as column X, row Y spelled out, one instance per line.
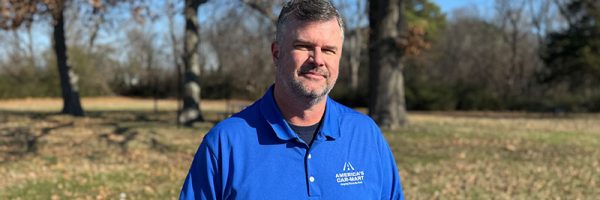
column 241, row 122
column 346, row 113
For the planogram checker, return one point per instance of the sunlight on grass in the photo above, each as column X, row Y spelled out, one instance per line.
column 482, row 158
column 144, row 155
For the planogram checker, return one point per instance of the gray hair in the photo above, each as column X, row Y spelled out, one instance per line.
column 307, row 11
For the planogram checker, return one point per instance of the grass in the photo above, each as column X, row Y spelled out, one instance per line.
column 140, row 154
column 454, row 157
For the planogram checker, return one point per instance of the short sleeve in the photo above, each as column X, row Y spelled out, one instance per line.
column 202, row 181
column 392, row 187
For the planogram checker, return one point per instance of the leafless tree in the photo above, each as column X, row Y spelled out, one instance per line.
column 265, row 8
column 355, row 16
column 171, row 12
column 247, row 34
column 523, row 23
column 512, row 22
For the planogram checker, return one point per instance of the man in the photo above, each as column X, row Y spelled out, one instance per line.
column 295, row 142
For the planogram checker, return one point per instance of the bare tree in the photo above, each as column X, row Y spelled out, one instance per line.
column 512, row 24
column 176, row 55
column 523, row 24
column 248, row 33
column 19, row 53
column 191, row 111
column 355, row 38
column 543, row 15
column 265, row 8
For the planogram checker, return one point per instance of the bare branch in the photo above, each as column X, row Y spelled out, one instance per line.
column 265, row 8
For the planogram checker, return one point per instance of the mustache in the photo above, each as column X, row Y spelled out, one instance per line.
column 314, row 69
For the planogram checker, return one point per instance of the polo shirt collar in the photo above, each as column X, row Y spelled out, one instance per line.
column 330, row 126
column 273, row 116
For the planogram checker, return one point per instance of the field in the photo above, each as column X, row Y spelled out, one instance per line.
column 123, row 149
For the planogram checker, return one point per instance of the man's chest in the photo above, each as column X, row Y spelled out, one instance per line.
column 328, row 170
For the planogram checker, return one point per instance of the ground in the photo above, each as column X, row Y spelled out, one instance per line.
column 123, row 149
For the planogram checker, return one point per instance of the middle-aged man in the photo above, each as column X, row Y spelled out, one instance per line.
column 295, row 142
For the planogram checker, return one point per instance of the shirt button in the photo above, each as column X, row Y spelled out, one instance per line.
column 311, row 179
column 309, row 156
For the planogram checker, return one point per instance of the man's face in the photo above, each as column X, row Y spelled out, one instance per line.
column 307, row 57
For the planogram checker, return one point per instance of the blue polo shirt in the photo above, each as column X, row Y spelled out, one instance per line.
column 256, row 155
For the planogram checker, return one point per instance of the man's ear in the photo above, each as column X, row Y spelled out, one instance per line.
column 275, row 51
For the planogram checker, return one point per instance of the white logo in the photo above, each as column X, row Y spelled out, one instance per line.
column 349, row 176
column 348, row 166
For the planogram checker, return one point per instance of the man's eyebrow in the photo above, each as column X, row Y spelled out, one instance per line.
column 299, row 41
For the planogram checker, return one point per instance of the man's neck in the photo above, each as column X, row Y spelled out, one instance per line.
column 299, row 111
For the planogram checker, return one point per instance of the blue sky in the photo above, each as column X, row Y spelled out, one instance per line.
column 449, row 5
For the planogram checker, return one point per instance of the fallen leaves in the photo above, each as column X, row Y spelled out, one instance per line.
column 439, row 157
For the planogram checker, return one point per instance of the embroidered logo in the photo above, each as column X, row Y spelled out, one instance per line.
column 349, row 175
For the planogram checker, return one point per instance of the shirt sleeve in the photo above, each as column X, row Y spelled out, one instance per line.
column 392, row 188
column 202, row 181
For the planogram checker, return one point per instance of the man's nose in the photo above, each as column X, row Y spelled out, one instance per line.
column 317, row 57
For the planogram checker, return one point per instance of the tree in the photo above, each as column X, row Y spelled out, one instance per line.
column 572, row 56
column 14, row 14
column 386, row 82
column 426, row 15
column 23, row 11
column 356, row 32
column 68, row 78
column 265, row 8
column 390, row 40
column 191, row 111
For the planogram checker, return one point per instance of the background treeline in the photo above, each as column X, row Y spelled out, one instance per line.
column 535, row 55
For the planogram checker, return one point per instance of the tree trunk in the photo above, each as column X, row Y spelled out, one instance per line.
column 171, row 19
column 357, row 45
column 355, row 50
column 191, row 111
column 386, row 82
column 68, row 78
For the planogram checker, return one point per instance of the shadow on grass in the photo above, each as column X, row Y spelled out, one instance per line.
column 20, row 140
column 21, row 132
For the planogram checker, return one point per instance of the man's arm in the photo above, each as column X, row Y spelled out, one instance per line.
column 203, row 179
column 392, row 188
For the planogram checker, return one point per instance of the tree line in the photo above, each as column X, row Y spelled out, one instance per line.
column 532, row 55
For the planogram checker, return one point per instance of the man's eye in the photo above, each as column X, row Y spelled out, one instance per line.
column 329, row 51
column 302, row 47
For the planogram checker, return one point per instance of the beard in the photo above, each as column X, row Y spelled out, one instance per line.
column 298, row 88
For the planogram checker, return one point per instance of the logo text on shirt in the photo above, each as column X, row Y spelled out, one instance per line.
column 349, row 176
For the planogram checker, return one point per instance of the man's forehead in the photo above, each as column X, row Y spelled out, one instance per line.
column 296, row 25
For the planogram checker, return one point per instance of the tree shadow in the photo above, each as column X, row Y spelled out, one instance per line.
column 18, row 141
column 21, row 132
column 120, row 136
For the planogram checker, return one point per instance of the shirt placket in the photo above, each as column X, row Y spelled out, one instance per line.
column 312, row 180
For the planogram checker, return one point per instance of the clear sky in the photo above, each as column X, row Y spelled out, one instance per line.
column 449, row 5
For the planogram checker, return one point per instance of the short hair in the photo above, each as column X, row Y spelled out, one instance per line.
column 307, row 11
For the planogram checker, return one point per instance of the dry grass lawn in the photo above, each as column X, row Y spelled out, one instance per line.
column 124, row 150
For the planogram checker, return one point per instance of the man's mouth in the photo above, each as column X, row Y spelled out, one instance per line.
column 312, row 71
column 313, row 75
